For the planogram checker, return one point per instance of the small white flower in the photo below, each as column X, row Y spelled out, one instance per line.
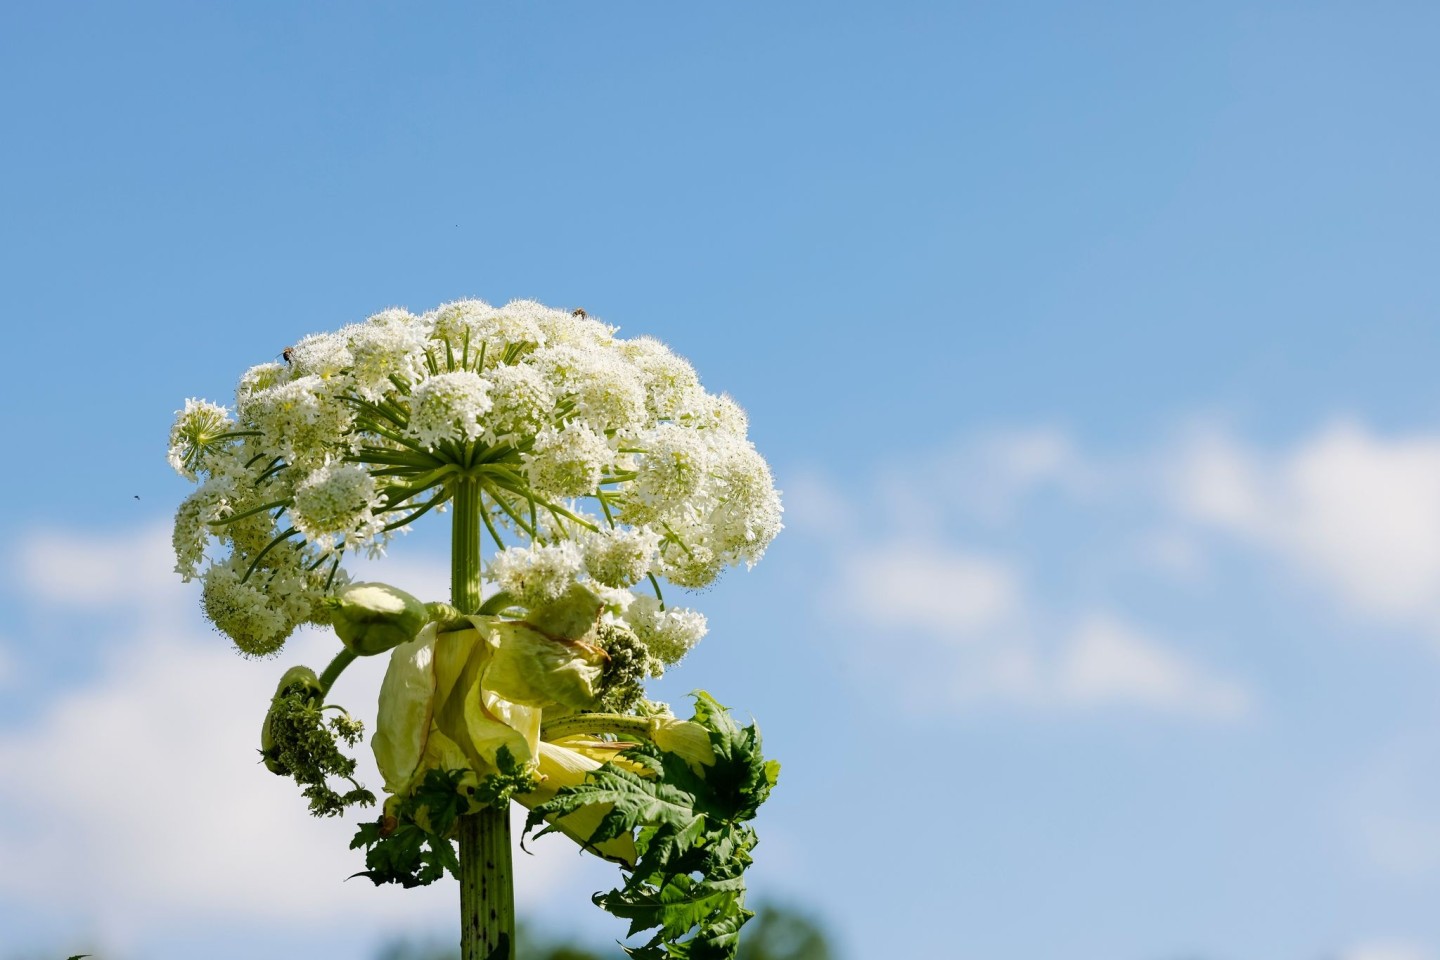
column 461, row 321
column 747, row 516
column 706, row 411
column 687, row 560
column 670, row 381
column 197, row 432
column 607, row 391
column 192, row 531
column 243, row 611
column 322, row 355
column 538, row 573
column 523, row 401
column 670, row 473
column 336, row 499
column 619, row 557
column 568, row 462
column 470, row 326
column 563, row 327
column 301, row 421
column 295, row 581
column 614, row 598
column 449, row 406
column 391, row 343
column 256, row 380
column 667, row 633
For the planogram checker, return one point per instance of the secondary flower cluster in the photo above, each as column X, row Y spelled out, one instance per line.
column 597, row 459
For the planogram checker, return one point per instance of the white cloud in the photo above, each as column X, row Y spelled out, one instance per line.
column 135, row 799
column 948, row 628
column 1108, row 661
column 1352, row 511
column 992, row 473
column 1387, row 950
column 984, row 478
column 84, row 569
column 1020, row 459
column 7, row 665
column 928, row 587
column 1216, row 479
column 1356, row 512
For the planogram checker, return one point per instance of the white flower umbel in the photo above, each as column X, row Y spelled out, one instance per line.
column 605, row 456
column 537, row 574
column 242, row 610
column 620, row 557
column 523, row 402
column 449, row 406
column 197, row 430
column 256, row 381
column 670, row 381
column 568, row 462
column 670, row 472
column 473, row 328
column 668, row 634
column 193, row 524
column 323, row 355
column 605, row 389
column 389, row 344
column 335, row 500
column 746, row 515
column 300, row 419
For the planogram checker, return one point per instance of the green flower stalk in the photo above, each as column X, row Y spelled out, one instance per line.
column 595, row 468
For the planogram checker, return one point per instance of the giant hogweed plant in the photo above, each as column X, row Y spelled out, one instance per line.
column 596, row 468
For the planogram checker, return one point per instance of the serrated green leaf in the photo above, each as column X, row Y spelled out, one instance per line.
column 691, row 836
column 414, row 850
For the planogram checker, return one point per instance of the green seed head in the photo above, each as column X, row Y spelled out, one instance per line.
column 301, row 680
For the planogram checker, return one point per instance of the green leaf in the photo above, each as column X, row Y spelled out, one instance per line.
column 411, row 846
column 691, row 832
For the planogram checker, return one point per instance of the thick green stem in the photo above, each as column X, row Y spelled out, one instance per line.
column 332, row 672
column 465, row 546
column 487, row 891
column 487, row 895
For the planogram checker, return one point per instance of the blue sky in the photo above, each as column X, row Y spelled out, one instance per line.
column 1093, row 347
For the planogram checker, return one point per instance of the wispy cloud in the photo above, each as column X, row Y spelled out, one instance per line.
column 1106, row 660
column 929, row 587
column 134, row 801
column 1387, row 950
column 1355, row 512
column 1351, row 511
column 951, row 625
